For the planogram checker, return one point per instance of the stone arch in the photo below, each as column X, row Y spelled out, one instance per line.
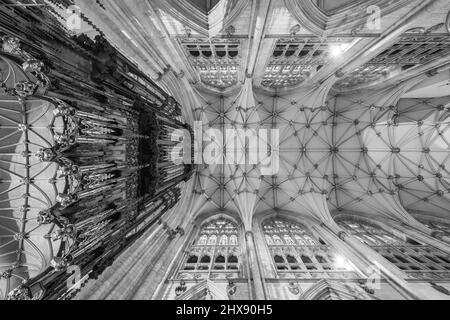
column 212, row 253
column 205, row 290
column 333, row 290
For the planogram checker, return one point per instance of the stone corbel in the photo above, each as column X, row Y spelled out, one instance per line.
column 172, row 232
column 339, row 73
column 180, row 231
column 60, row 263
column 179, row 290
column 363, row 285
column 437, row 234
column 166, row 70
column 179, row 75
column 231, row 288
column 45, row 217
column 294, row 288
column 342, row 235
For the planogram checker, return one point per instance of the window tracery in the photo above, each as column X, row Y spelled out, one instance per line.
column 296, row 251
column 214, row 253
column 293, row 61
column 216, row 62
column 416, row 259
column 411, row 50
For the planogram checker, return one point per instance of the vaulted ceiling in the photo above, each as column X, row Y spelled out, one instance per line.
column 361, row 105
column 205, row 5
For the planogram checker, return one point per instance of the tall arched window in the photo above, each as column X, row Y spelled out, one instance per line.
column 296, row 251
column 214, row 252
column 417, row 259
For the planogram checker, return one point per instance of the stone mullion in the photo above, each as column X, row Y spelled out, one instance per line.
column 421, row 236
column 302, row 252
column 389, row 271
column 424, row 265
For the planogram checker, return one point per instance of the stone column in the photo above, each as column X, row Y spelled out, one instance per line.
column 154, row 266
column 259, row 292
column 121, row 268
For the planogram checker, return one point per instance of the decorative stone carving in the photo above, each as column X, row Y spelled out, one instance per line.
column 66, row 199
column 294, row 288
column 230, row 31
column 295, row 29
column 25, row 89
column 180, row 231
column 66, row 233
column 30, row 65
column 45, row 217
column 59, row 263
column 45, row 155
column 438, row 234
column 231, row 288
column 172, row 233
column 20, row 293
column 179, row 290
column 11, row 45
column 342, row 235
column 363, row 284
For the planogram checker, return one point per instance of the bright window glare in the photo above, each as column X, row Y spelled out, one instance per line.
column 342, row 263
column 336, row 50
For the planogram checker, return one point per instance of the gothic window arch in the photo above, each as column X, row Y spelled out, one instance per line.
column 215, row 252
column 417, row 259
column 296, row 251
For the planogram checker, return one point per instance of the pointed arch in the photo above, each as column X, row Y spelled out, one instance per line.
column 215, row 250
column 332, row 290
column 205, row 290
column 297, row 252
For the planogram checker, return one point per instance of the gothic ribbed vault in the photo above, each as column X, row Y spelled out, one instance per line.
column 351, row 102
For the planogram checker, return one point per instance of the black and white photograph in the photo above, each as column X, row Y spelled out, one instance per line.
column 248, row 152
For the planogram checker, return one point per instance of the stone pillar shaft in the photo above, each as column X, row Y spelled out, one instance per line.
column 258, row 286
